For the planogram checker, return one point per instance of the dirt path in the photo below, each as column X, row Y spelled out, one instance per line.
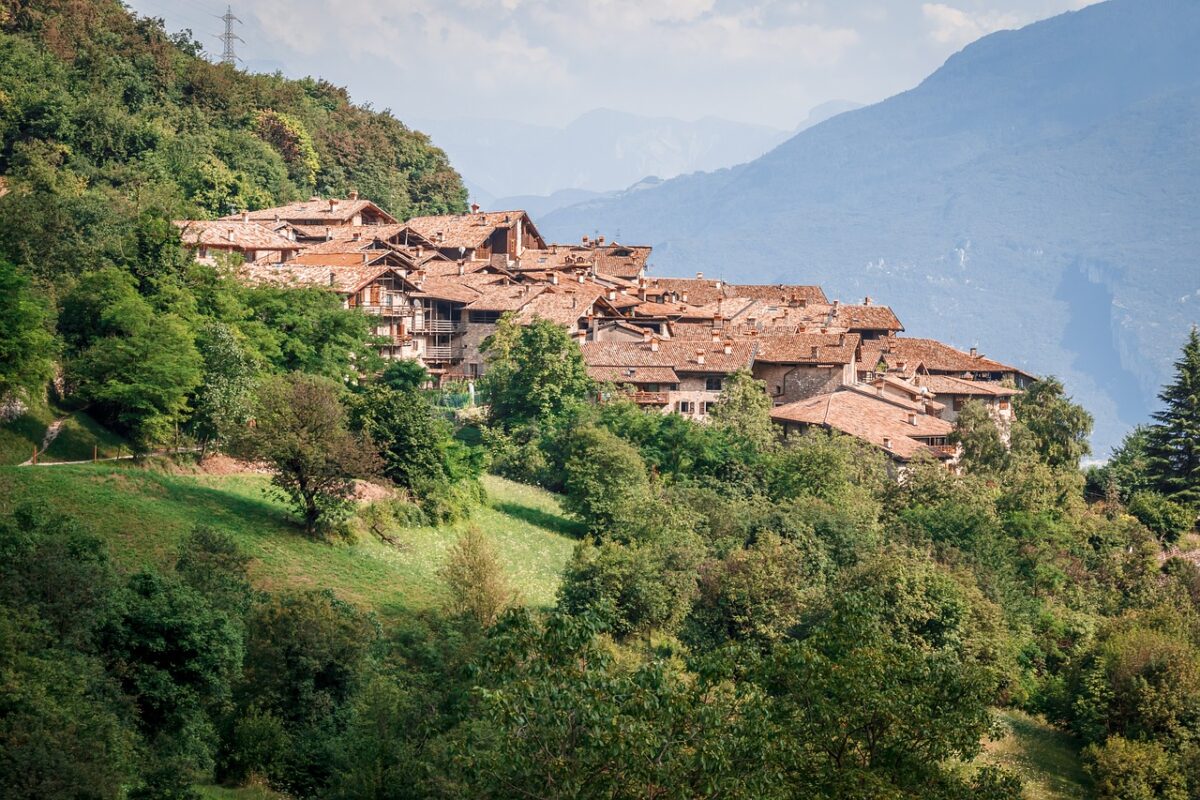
column 51, row 434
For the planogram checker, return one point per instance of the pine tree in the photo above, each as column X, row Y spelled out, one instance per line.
column 1173, row 446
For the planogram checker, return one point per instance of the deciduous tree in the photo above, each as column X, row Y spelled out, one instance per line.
column 300, row 431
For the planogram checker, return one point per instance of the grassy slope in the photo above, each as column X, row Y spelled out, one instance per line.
column 75, row 440
column 144, row 514
column 1046, row 759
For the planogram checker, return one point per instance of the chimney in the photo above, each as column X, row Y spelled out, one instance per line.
column 974, row 352
column 728, row 347
column 328, row 233
column 841, row 340
column 699, row 276
column 366, row 256
column 887, row 443
column 356, row 236
column 581, row 336
column 554, row 279
column 354, row 194
column 716, row 335
column 462, row 268
column 699, row 356
column 580, row 277
column 653, row 344
column 584, row 240
column 718, row 284
column 474, row 208
column 815, row 351
column 912, row 418
column 333, row 204
column 683, row 297
column 230, row 235
column 441, row 236
column 245, row 215
column 879, row 389
column 646, row 335
column 612, row 294
column 600, row 241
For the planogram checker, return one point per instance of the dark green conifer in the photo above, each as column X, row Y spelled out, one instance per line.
column 1173, row 446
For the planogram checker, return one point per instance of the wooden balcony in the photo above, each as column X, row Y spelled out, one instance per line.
column 426, row 325
column 384, row 311
column 442, row 354
column 649, row 398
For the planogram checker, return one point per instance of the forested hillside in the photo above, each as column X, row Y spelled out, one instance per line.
column 107, row 121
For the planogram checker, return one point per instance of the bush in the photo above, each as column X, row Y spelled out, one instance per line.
column 1165, row 518
column 1132, row 770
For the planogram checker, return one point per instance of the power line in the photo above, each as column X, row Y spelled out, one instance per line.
column 228, row 56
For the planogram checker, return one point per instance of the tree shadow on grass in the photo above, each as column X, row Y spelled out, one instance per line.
column 542, row 519
column 212, row 505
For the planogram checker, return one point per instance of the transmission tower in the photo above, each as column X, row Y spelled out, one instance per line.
column 228, row 56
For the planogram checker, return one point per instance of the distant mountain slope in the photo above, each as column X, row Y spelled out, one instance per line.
column 1037, row 195
column 600, row 151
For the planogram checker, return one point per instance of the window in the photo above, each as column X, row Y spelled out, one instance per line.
column 204, row 252
column 649, row 387
column 685, row 407
column 958, row 403
column 1004, row 405
column 713, row 383
column 706, row 408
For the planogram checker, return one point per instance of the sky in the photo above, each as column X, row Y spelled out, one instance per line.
column 548, row 61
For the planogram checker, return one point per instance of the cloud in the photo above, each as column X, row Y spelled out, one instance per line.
column 956, row 27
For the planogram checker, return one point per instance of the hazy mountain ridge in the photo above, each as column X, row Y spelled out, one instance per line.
column 601, row 151
column 1041, row 180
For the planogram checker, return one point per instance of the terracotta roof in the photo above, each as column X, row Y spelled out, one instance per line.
column 948, row 385
column 934, row 355
column 467, row 230
column 509, row 297
column 564, row 306
column 640, row 374
column 343, row 280
column 341, row 259
column 873, row 419
column 807, row 348
column 865, row 318
column 782, row 293
column 231, row 234
column 680, row 354
column 316, row 211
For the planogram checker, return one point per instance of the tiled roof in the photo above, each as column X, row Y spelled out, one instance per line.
column 934, row 355
column 231, row 234
column 639, row 374
column 873, row 419
column 466, row 230
column 948, row 385
column 343, row 280
column 807, row 348
column 682, row 355
column 341, row 259
column 782, row 293
column 865, row 318
column 315, row 211
column 562, row 305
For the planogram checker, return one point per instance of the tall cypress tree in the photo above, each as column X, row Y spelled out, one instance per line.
column 1173, row 444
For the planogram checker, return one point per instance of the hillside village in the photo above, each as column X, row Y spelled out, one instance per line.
column 439, row 285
